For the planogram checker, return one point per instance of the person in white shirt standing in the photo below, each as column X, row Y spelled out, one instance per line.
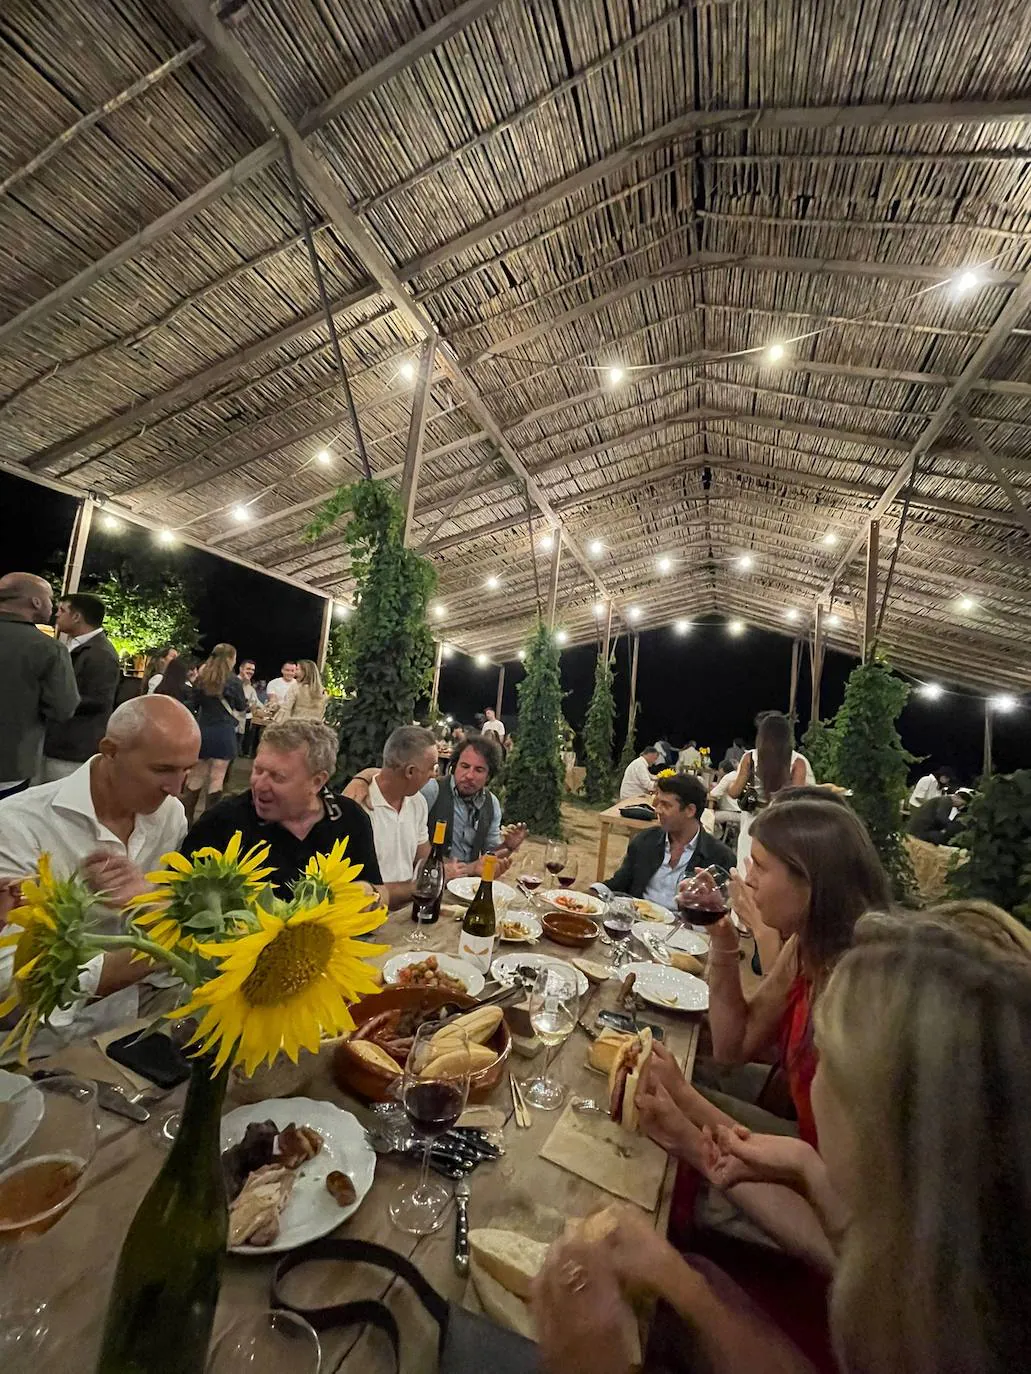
column 399, row 812
column 277, row 689
column 493, row 726
column 930, row 786
column 638, row 779
column 112, row 819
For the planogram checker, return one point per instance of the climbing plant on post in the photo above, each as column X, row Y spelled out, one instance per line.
column 535, row 776
column 384, row 658
column 629, row 753
column 598, row 735
column 869, row 760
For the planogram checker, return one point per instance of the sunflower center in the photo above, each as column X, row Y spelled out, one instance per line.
column 295, row 959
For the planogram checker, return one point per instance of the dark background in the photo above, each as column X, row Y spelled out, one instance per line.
column 705, row 686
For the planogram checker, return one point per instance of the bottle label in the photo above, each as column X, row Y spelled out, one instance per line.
column 477, row 949
column 490, row 862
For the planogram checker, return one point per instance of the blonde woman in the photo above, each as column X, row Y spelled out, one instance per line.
column 217, row 693
column 305, row 697
column 921, row 1104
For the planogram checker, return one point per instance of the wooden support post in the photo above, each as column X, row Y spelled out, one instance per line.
column 324, row 629
column 870, row 605
column 793, row 688
column 633, row 684
column 607, row 642
column 986, row 764
column 435, row 690
column 77, row 547
column 501, row 691
column 556, row 561
column 416, row 431
column 817, row 665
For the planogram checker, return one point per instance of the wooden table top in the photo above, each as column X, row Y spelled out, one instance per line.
column 611, row 814
column 73, row 1264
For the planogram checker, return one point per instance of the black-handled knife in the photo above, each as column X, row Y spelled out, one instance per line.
column 462, row 1226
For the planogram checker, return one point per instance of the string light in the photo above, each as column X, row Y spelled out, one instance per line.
column 682, row 627
column 408, row 370
column 449, row 719
column 599, row 608
column 966, row 604
column 112, row 524
column 775, row 353
column 965, row 282
column 438, row 611
column 634, row 614
column 596, row 548
column 324, row 457
column 834, row 621
column 482, row 660
column 165, row 537
column 830, row 539
column 615, row 375
column 736, row 627
column 521, row 655
column 492, row 583
column 932, row 691
column 446, row 651
column 1003, row 702
column 561, row 637
column 341, row 610
column 746, row 562
column 791, row 614
column 548, row 542
column 241, row 514
column 664, row 565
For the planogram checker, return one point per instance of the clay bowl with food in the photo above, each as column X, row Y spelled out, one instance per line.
column 565, row 929
column 376, row 1081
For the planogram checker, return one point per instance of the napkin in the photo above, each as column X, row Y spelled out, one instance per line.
column 595, row 1148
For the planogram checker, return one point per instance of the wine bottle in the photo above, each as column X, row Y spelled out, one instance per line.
column 477, row 942
column 166, row 1286
column 430, row 880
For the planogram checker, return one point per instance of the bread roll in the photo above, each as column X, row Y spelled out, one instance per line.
column 603, row 1051
column 462, row 1059
column 477, row 1026
column 512, row 1259
column 376, row 1055
column 687, row 963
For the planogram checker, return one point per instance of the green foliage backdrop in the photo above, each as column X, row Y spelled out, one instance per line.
column 145, row 607
column 534, row 775
column 819, row 744
column 997, row 836
column 598, row 735
column 629, row 753
column 382, row 656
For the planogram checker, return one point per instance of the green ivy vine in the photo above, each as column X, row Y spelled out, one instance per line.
column 534, row 776
column 599, row 730
column 997, row 837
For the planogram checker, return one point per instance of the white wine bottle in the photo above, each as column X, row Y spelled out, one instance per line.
column 163, row 1300
column 477, row 942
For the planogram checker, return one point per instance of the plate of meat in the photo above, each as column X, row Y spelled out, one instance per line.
column 294, row 1170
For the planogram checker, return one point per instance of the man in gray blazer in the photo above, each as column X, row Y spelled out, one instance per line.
column 37, row 683
column 70, row 743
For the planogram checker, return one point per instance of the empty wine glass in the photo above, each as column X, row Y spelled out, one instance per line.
column 554, row 1005
column 433, row 1093
column 275, row 1342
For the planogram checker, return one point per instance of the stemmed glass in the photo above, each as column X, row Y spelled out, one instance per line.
column 433, row 1095
column 704, row 896
column 554, row 1006
column 618, row 919
column 275, row 1342
column 531, row 876
column 568, row 875
column 44, row 1158
column 555, row 857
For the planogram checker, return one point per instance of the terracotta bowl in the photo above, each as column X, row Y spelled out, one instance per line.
column 566, row 929
column 355, row 1075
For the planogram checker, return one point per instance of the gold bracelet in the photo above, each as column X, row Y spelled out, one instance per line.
column 724, row 956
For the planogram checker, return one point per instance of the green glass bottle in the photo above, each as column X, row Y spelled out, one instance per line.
column 163, row 1300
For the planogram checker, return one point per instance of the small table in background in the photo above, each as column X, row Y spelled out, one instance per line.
column 610, row 819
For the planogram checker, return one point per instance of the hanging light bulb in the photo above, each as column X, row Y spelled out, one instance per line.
column 634, row 614
column 596, row 548
column 682, row 627
column 775, row 353
column 438, row 611
column 548, row 542
column 736, row 627
column 482, row 660
column 324, row 457
column 599, row 608
column 408, row 370
column 521, row 655
column 561, row 637
column 165, row 537
column 830, row 539
column 746, row 562
column 241, row 514
column 664, row 565
column 341, row 610
column 1003, row 702
column 965, row 283
column 966, row 604
column 833, row 621
column 791, row 614
column 112, row 524
column 446, row 651
column 614, row 375
column 492, row 583
column 933, row 691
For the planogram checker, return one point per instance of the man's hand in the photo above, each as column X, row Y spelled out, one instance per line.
column 113, row 877
column 583, row 1322
column 513, row 836
column 10, row 896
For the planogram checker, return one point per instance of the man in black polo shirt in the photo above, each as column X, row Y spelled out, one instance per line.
column 290, row 808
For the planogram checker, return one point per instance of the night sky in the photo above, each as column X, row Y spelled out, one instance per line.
column 706, row 685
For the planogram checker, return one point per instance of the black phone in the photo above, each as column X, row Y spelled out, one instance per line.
column 620, row 1021
column 152, row 1056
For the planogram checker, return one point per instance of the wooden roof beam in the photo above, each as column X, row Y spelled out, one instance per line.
column 996, row 468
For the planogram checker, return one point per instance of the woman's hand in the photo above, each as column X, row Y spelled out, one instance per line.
column 735, row 1155
column 584, row 1325
column 742, row 900
column 661, row 1120
column 663, row 1069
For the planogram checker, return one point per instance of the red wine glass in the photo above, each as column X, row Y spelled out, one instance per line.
column 433, row 1094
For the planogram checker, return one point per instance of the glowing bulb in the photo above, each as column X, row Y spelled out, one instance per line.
column 408, row 370
column 341, row 610
column 521, row 655
column 966, row 281
column 165, row 537
column 933, row 691
column 830, row 539
column 682, row 626
column 596, row 548
column 548, row 542
column 614, row 375
column 833, row 621
column 324, row 457
column 492, row 583
column 791, row 614
column 449, row 719
column 746, row 562
column 775, row 353
column 561, row 637
column 1003, row 702
column 446, row 651
column 112, row 524
column 482, row 660
column 736, row 627
column 241, row 513
column 634, row 613
column 967, row 604
column 438, row 611
column 599, row 608
column 664, row 565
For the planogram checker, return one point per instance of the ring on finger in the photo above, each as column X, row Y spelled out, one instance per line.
column 573, row 1276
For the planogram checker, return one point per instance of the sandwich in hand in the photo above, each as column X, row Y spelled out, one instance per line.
column 625, row 1076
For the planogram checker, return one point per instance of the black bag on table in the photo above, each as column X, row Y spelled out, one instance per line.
column 639, row 813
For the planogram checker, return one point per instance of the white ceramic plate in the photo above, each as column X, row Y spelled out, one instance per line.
column 529, row 923
column 447, row 963
column 311, row 1211
column 686, row 941
column 465, row 890
column 668, row 988
column 504, row 966
column 589, row 904
column 19, row 1121
column 652, row 913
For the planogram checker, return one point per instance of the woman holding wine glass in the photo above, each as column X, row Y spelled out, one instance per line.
column 554, row 1006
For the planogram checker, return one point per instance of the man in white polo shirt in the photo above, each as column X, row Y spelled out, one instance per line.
column 392, row 797
column 112, row 819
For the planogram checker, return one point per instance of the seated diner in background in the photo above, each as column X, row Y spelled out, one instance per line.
column 291, row 808
column 659, row 858
column 940, row 820
column 471, row 812
column 638, row 779
column 112, row 820
column 920, row 1035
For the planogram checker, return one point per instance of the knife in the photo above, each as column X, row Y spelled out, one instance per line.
column 109, row 1097
column 462, row 1226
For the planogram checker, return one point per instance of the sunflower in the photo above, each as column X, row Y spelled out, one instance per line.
column 667, row 773
column 49, row 932
column 327, row 877
column 203, row 898
column 288, row 983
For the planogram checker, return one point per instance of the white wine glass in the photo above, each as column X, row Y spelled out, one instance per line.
column 554, row 1005
column 274, row 1342
column 433, row 1093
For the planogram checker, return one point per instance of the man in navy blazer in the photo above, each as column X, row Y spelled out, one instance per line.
column 70, row 743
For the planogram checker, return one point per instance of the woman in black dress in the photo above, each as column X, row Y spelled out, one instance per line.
column 217, row 692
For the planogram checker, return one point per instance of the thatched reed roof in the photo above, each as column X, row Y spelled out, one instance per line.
column 550, row 187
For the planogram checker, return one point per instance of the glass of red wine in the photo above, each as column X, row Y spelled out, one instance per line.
column 531, row 876
column 618, row 921
column 568, row 875
column 555, row 857
column 703, row 898
column 434, row 1091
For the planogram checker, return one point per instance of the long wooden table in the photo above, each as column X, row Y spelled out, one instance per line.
column 609, row 820
column 72, row 1266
